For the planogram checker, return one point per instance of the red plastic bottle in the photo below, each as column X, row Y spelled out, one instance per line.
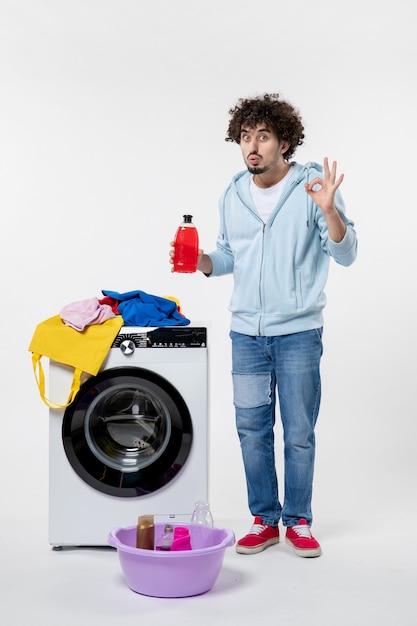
column 186, row 247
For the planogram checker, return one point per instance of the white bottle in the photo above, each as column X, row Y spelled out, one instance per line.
column 202, row 514
column 201, row 526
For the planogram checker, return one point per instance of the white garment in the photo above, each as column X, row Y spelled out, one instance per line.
column 266, row 199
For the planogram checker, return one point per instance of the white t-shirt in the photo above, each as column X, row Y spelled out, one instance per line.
column 266, row 199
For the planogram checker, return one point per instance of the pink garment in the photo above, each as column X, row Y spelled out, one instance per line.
column 83, row 313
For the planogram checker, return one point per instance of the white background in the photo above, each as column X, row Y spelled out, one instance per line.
column 113, row 115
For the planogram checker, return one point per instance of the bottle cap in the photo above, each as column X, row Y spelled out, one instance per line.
column 202, row 504
column 145, row 521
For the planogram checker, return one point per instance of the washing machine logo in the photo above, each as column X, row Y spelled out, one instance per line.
column 127, row 347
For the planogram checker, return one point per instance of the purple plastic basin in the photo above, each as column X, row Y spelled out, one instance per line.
column 172, row 574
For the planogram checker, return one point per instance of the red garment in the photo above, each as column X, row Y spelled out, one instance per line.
column 111, row 302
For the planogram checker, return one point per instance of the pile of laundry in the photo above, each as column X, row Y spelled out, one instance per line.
column 137, row 308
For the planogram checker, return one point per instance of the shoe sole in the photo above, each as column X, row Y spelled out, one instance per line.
column 256, row 549
column 306, row 552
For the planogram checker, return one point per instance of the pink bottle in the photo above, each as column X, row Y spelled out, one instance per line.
column 181, row 539
column 186, row 247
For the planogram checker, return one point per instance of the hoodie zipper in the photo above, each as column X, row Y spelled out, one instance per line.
column 277, row 210
column 260, row 276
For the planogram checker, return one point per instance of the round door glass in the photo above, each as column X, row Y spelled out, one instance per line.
column 128, row 432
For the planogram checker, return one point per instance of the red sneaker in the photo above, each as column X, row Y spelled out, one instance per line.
column 259, row 537
column 299, row 537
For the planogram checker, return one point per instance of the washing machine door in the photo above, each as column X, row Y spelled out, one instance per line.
column 128, row 432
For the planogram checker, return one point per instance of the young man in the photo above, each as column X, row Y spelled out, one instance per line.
column 279, row 224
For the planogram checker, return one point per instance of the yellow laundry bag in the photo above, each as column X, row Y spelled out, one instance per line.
column 85, row 350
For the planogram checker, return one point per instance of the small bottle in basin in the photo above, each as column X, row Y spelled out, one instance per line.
column 202, row 514
column 201, row 525
column 166, row 539
column 181, row 539
column 145, row 532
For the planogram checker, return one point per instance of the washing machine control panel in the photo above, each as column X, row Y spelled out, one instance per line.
column 165, row 337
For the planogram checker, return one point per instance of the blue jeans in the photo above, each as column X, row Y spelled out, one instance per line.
column 289, row 364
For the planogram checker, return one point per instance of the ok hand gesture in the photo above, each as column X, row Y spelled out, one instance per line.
column 324, row 196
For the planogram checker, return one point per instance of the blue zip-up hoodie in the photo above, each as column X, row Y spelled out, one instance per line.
column 280, row 268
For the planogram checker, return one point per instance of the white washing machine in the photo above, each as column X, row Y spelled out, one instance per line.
column 135, row 439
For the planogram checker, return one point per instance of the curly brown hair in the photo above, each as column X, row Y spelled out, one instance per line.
column 278, row 115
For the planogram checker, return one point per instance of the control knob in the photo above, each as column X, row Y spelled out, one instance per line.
column 127, row 347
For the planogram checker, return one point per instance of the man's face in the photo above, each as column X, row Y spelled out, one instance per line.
column 261, row 149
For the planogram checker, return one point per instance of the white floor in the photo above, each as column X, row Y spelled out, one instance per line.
column 365, row 576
